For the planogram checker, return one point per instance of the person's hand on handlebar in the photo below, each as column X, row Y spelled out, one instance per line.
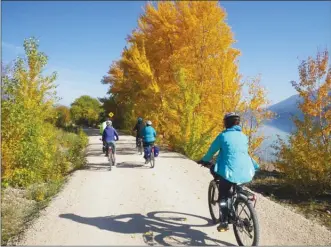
column 204, row 163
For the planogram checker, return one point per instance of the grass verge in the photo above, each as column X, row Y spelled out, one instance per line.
column 314, row 207
column 19, row 207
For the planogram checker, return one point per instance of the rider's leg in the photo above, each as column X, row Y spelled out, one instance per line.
column 146, row 144
column 113, row 146
column 107, row 148
column 103, row 146
column 224, row 189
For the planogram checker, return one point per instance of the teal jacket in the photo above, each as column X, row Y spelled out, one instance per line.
column 149, row 134
column 233, row 161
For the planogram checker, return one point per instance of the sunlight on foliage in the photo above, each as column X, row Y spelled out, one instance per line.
column 306, row 159
column 180, row 70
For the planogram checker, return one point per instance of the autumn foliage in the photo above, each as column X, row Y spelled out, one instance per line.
column 33, row 150
column 306, row 159
column 180, row 70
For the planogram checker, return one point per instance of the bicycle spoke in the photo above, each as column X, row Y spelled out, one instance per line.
column 244, row 231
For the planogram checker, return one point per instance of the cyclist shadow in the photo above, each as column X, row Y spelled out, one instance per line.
column 156, row 230
column 137, row 165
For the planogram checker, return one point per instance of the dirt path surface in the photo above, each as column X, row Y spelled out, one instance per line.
column 169, row 203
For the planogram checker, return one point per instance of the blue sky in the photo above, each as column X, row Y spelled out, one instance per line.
column 83, row 38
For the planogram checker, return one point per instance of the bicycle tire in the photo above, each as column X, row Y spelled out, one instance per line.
column 256, row 226
column 113, row 159
column 152, row 159
column 211, row 203
column 110, row 159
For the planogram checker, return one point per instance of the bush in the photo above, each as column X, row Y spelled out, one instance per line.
column 36, row 156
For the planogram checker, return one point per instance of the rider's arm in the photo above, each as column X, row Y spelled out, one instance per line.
column 154, row 133
column 116, row 134
column 214, row 147
column 135, row 127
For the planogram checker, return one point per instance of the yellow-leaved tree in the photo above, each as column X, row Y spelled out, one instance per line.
column 306, row 158
column 180, row 71
column 28, row 149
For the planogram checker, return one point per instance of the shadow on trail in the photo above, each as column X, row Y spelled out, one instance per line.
column 131, row 164
column 97, row 167
column 156, row 230
column 91, row 131
column 95, row 152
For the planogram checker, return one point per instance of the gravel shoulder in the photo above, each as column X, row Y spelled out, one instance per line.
column 135, row 205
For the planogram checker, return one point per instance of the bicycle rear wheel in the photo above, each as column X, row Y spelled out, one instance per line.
column 110, row 158
column 113, row 159
column 152, row 159
column 247, row 226
column 213, row 202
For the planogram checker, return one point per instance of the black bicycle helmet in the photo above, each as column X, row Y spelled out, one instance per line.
column 231, row 119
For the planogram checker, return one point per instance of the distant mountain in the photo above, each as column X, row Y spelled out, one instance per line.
column 281, row 125
column 284, row 111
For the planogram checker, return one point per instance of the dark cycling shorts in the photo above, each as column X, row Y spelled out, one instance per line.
column 146, row 144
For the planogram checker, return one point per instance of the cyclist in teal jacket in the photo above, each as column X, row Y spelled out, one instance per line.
column 234, row 165
column 149, row 136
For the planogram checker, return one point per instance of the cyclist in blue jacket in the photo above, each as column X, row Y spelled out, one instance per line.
column 234, row 165
column 108, row 137
column 149, row 136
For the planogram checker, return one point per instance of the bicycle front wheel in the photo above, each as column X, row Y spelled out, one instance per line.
column 213, row 202
column 246, row 227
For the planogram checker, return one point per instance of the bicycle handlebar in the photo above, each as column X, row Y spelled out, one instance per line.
column 206, row 164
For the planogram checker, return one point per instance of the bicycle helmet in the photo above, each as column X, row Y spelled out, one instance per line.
column 231, row 119
column 109, row 123
column 149, row 122
column 140, row 119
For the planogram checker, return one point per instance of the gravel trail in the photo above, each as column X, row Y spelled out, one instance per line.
column 135, row 205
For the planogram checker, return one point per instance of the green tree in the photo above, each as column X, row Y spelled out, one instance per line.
column 63, row 117
column 86, row 110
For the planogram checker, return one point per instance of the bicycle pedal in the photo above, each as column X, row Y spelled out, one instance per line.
column 222, row 229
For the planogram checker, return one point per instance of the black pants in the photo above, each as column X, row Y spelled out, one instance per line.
column 137, row 139
column 224, row 191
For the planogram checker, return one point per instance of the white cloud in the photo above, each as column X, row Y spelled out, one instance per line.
column 11, row 48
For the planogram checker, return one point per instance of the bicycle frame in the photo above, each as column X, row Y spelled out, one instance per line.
column 238, row 191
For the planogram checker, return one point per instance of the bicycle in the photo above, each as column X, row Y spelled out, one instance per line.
column 237, row 196
column 111, row 156
column 140, row 146
column 151, row 159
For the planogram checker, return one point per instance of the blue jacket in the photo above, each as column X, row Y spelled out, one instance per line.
column 233, row 161
column 109, row 134
column 149, row 134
